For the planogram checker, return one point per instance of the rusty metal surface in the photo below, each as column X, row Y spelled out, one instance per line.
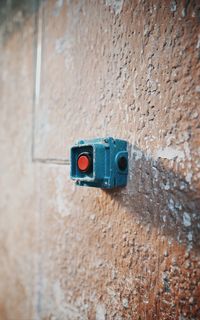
column 128, row 69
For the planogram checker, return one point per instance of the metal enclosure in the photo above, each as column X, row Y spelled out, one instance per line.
column 107, row 154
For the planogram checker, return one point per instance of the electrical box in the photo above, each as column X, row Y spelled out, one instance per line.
column 100, row 163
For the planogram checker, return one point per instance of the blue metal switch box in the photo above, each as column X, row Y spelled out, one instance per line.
column 100, row 163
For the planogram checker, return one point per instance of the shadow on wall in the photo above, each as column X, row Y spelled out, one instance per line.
column 160, row 198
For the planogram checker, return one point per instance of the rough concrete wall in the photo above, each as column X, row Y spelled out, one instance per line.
column 82, row 69
column 17, row 180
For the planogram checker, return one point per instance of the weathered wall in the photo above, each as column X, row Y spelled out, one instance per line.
column 82, row 69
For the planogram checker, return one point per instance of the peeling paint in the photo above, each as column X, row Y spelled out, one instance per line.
column 116, row 5
column 100, row 312
column 170, row 153
column 188, row 177
column 190, row 236
column 58, row 7
column 173, row 6
column 186, row 219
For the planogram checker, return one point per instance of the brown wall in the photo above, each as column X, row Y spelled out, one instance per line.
column 83, row 69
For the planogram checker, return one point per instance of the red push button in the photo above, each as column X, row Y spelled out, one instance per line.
column 84, row 162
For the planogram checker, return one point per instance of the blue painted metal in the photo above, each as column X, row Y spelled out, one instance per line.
column 109, row 167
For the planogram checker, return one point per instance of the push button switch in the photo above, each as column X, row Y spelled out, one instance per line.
column 100, row 163
column 84, row 162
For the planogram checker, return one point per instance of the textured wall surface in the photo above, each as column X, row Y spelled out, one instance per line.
column 83, row 69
